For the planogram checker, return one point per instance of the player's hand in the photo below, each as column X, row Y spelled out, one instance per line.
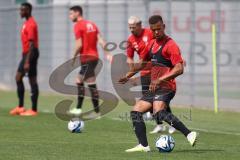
column 74, row 60
column 108, row 56
column 26, row 66
column 154, row 85
column 133, row 81
column 123, row 80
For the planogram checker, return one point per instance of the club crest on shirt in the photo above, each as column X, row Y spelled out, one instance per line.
column 145, row 39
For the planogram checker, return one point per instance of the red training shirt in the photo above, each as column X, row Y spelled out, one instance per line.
column 88, row 32
column 171, row 53
column 138, row 44
column 29, row 32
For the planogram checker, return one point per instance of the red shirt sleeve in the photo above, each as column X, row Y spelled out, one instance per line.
column 31, row 35
column 78, row 32
column 97, row 30
column 174, row 53
column 130, row 49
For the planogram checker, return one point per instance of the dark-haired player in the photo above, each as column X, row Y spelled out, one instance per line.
column 137, row 42
column 28, row 64
column 167, row 64
column 87, row 37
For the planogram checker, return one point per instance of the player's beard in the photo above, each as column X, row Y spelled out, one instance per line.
column 134, row 33
column 161, row 37
column 74, row 19
column 23, row 15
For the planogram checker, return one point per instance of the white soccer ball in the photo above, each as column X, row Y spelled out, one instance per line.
column 75, row 126
column 147, row 116
column 165, row 143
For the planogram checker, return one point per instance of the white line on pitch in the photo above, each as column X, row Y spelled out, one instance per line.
column 199, row 129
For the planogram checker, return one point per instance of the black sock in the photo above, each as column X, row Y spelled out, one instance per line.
column 95, row 97
column 34, row 96
column 160, row 122
column 81, row 94
column 20, row 93
column 173, row 121
column 139, row 127
column 168, row 109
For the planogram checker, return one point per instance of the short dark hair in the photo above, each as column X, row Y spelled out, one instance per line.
column 28, row 5
column 154, row 19
column 77, row 9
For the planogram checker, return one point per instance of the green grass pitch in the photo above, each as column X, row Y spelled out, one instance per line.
column 46, row 138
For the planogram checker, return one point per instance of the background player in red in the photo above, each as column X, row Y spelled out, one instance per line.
column 87, row 37
column 137, row 42
column 28, row 64
column 167, row 64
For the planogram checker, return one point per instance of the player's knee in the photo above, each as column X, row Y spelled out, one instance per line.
column 18, row 78
column 79, row 80
column 158, row 109
column 137, row 107
column 91, row 80
column 159, row 106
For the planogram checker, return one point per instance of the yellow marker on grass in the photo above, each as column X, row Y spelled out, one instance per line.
column 214, row 64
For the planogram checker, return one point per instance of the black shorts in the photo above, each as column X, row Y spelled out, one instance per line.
column 33, row 60
column 145, row 82
column 88, row 69
column 159, row 95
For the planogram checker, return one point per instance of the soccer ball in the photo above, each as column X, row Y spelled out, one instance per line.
column 147, row 116
column 75, row 126
column 165, row 143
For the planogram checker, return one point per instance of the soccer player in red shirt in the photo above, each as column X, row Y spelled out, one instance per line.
column 137, row 42
column 87, row 37
column 167, row 64
column 28, row 64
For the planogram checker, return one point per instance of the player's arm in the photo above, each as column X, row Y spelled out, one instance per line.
column 177, row 61
column 130, row 55
column 31, row 47
column 130, row 63
column 77, row 48
column 177, row 70
column 102, row 43
column 136, row 67
column 178, row 67
column 134, row 70
column 27, row 61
